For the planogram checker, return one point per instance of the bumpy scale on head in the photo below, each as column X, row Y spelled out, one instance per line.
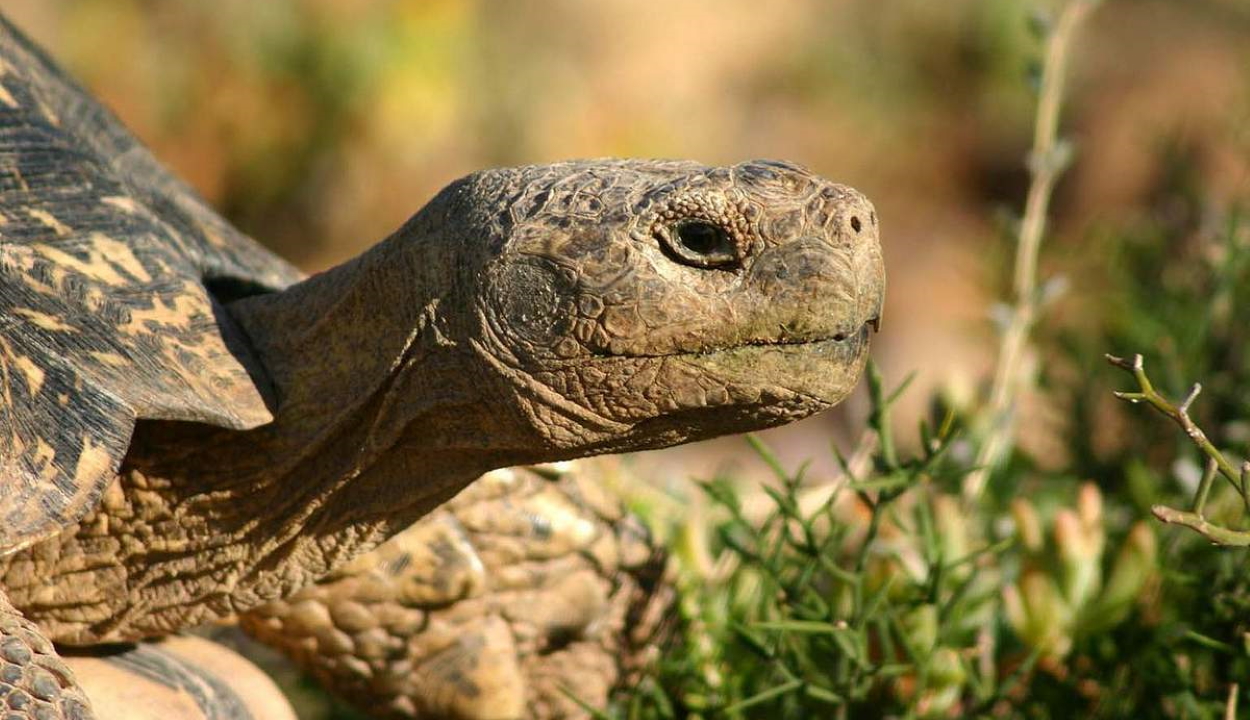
column 671, row 300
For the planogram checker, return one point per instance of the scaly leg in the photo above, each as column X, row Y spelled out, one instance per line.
column 35, row 684
column 503, row 603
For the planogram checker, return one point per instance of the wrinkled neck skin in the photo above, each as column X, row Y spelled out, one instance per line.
column 379, row 418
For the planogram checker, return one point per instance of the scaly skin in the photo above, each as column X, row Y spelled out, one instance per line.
column 34, row 681
column 502, row 603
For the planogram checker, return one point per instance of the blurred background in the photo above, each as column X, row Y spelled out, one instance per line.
column 318, row 126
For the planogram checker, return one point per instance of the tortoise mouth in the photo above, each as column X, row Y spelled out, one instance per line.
column 831, row 347
column 820, row 371
column 815, row 346
column 743, row 388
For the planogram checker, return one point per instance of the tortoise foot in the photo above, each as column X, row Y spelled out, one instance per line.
column 35, row 683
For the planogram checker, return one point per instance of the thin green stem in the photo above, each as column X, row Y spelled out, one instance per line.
column 1204, row 488
column 879, row 419
column 1216, row 461
column 1047, row 160
column 1215, row 533
column 1177, row 413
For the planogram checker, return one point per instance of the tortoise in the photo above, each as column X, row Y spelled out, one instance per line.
column 190, row 428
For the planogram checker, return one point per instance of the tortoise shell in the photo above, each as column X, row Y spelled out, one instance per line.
column 112, row 278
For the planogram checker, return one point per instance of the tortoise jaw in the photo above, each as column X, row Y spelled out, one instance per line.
column 756, row 387
column 820, row 342
column 822, row 371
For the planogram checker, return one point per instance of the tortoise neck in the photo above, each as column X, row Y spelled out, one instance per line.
column 365, row 369
column 378, row 415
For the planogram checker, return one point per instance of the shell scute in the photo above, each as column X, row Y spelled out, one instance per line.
column 105, row 312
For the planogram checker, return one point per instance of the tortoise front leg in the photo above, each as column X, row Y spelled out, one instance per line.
column 511, row 600
column 35, row 684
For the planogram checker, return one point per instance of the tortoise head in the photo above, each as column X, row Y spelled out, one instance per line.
column 628, row 303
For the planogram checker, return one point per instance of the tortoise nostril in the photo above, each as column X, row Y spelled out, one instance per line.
column 855, row 224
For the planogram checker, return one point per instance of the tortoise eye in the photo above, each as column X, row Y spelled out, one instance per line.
column 702, row 244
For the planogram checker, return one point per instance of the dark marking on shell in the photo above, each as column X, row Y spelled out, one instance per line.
column 105, row 316
column 213, row 696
